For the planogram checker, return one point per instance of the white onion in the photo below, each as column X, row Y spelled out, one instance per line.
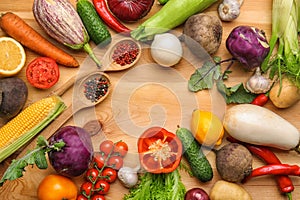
column 166, row 49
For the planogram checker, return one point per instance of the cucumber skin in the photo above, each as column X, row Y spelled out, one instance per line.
column 94, row 25
column 199, row 164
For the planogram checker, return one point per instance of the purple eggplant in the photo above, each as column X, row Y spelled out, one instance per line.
column 248, row 45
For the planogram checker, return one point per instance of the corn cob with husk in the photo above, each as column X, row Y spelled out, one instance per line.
column 28, row 123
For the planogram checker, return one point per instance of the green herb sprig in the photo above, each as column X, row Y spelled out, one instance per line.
column 211, row 73
column 35, row 156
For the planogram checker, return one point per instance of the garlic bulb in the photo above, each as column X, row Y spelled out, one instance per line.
column 229, row 10
column 258, row 83
column 128, row 176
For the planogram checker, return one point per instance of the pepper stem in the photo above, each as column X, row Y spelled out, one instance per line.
column 87, row 48
column 289, row 195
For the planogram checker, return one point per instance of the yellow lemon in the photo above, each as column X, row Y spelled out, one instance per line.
column 12, row 56
column 207, row 128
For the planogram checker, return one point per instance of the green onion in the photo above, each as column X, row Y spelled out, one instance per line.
column 285, row 27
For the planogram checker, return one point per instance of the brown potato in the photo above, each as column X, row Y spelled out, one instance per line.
column 288, row 96
column 223, row 190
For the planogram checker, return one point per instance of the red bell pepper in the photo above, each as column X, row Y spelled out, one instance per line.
column 160, row 151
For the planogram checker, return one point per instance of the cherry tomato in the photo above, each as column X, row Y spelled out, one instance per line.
column 99, row 160
column 98, row 197
column 121, row 148
column 56, row 187
column 81, row 197
column 115, row 162
column 92, row 174
column 106, row 147
column 102, row 187
column 86, row 188
column 42, row 72
column 109, row 174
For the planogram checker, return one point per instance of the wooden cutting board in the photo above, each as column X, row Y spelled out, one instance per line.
column 145, row 95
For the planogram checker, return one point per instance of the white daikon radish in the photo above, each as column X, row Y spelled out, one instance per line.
column 258, row 125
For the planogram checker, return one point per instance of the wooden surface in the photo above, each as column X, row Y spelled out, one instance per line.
column 141, row 98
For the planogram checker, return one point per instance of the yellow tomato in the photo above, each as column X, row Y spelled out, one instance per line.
column 207, row 128
column 57, row 187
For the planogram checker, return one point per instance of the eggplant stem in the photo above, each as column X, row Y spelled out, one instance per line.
column 87, row 48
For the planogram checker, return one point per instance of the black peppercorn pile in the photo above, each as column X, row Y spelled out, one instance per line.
column 96, row 88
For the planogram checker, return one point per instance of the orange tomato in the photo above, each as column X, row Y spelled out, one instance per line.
column 57, row 187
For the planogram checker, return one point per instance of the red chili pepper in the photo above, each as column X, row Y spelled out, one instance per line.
column 276, row 169
column 284, row 182
column 260, row 99
column 105, row 14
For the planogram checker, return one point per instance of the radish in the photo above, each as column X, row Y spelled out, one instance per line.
column 258, row 125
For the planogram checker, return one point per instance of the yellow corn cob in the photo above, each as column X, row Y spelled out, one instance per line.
column 28, row 123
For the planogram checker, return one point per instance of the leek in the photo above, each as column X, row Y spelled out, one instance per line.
column 284, row 36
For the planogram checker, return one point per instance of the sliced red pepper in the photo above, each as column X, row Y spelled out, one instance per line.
column 160, row 151
column 111, row 21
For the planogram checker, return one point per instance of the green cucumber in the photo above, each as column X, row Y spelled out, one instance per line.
column 94, row 25
column 199, row 164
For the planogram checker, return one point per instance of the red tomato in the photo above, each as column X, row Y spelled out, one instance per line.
column 121, row 148
column 81, row 197
column 102, row 187
column 115, row 162
column 98, row 197
column 99, row 160
column 92, row 174
column 42, row 72
column 109, row 174
column 86, row 188
column 107, row 147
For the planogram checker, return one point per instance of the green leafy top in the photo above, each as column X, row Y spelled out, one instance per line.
column 158, row 186
column 36, row 156
column 210, row 73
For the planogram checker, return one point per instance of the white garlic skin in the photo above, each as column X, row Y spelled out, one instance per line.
column 128, row 177
column 258, row 84
column 229, row 10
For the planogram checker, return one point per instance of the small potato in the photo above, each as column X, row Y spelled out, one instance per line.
column 288, row 96
column 223, row 190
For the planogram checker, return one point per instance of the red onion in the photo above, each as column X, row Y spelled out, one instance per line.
column 130, row 10
column 196, row 194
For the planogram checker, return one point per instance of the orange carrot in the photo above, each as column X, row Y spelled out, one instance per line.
column 18, row 29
